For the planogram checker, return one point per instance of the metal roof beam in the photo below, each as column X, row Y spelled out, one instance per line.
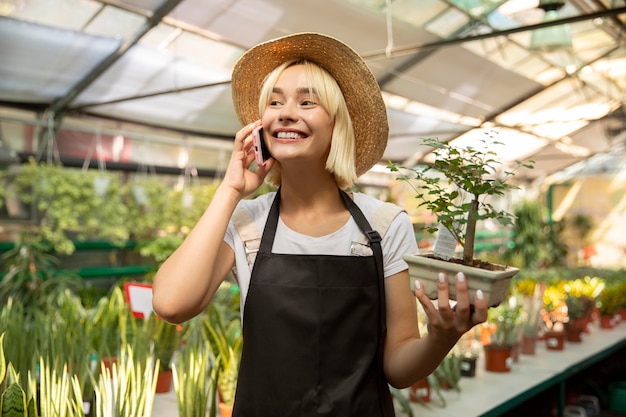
column 60, row 105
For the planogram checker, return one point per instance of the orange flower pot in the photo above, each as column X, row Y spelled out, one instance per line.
column 498, row 358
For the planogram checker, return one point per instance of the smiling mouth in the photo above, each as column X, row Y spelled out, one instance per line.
column 289, row 135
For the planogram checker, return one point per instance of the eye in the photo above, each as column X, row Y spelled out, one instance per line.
column 308, row 103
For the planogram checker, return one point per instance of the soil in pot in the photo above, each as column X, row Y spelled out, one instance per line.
column 492, row 279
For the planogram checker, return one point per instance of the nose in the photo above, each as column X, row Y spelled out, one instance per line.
column 288, row 111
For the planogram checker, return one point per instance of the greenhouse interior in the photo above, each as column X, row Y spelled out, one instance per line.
column 117, row 125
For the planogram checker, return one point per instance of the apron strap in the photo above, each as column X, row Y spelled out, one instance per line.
column 249, row 233
column 374, row 239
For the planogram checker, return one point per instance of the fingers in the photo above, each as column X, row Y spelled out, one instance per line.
column 466, row 312
column 243, row 138
column 426, row 303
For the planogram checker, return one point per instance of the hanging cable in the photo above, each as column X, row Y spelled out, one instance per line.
column 389, row 48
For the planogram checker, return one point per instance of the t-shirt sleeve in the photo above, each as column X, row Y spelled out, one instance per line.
column 397, row 242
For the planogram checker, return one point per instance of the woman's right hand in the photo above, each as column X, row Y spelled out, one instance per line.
column 239, row 177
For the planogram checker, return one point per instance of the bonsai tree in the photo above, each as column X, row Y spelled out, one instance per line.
column 459, row 198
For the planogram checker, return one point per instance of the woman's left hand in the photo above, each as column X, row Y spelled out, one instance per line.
column 447, row 322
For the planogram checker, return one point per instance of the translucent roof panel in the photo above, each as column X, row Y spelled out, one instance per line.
column 447, row 68
column 48, row 62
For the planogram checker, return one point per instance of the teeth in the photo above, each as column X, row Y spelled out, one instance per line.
column 288, row 135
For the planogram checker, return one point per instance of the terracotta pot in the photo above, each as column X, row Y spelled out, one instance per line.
column 606, row 322
column 164, row 382
column 226, row 410
column 498, row 358
column 529, row 344
column 515, row 351
column 574, row 332
column 585, row 323
column 555, row 340
column 420, row 391
column 108, row 363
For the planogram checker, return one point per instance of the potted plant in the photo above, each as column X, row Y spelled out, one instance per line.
column 555, row 315
column 458, row 197
column 13, row 397
column 166, row 342
column 106, row 316
column 468, row 350
column 193, row 374
column 67, row 206
column 609, row 301
column 127, row 389
column 226, row 344
column 506, row 318
column 532, row 304
column 579, row 308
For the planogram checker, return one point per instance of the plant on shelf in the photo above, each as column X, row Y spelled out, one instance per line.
column 68, row 206
column 60, row 391
column 528, row 245
column 107, row 316
column 609, row 301
column 468, row 349
column 456, row 189
column 446, row 376
column 14, row 398
column 127, row 389
column 147, row 201
column 506, row 319
column 193, row 374
column 226, row 341
column 580, row 295
column 29, row 272
column 166, row 342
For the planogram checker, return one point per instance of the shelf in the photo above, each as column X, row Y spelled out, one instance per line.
column 491, row 394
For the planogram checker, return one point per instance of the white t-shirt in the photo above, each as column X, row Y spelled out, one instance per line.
column 398, row 241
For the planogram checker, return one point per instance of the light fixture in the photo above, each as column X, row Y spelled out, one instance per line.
column 551, row 38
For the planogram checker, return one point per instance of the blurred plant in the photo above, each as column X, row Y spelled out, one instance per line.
column 193, row 374
column 531, row 308
column 69, row 205
column 128, row 388
column 610, row 299
column 507, row 318
column 226, row 341
column 30, row 275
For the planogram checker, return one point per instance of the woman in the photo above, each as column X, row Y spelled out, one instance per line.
column 329, row 319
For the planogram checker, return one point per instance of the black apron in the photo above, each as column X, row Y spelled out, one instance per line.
column 314, row 332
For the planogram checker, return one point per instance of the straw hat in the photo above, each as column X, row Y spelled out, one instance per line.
column 359, row 87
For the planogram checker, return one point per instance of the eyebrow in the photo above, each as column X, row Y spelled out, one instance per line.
column 300, row 91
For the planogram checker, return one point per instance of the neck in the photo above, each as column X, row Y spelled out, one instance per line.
column 312, row 193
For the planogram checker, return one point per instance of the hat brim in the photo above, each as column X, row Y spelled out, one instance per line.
column 359, row 86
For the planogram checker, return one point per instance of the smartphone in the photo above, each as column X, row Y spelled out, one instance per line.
column 261, row 153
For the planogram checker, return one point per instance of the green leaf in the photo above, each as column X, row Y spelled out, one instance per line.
column 14, row 402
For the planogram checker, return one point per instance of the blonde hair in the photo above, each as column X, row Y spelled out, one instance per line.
column 341, row 158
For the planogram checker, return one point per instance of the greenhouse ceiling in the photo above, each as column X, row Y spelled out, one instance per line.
column 149, row 80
